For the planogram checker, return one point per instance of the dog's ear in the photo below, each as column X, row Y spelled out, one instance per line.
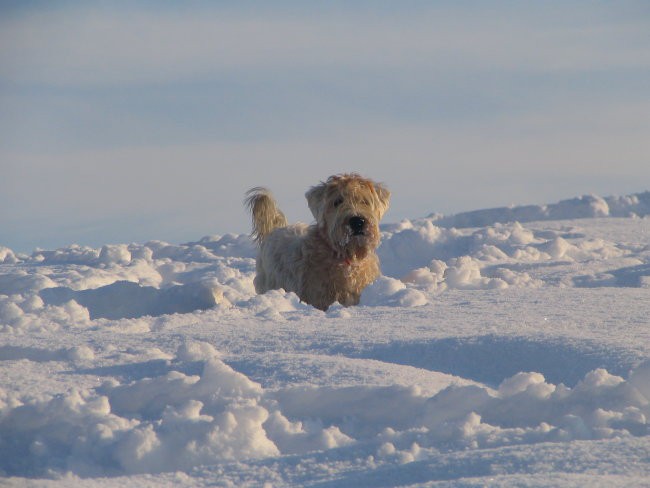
column 316, row 200
column 383, row 196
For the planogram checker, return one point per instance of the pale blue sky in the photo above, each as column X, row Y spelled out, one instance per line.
column 131, row 121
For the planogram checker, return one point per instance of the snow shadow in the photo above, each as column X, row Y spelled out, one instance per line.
column 126, row 299
column 17, row 353
column 628, row 277
column 491, row 359
column 146, row 369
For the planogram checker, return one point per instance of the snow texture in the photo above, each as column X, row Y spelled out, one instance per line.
column 501, row 347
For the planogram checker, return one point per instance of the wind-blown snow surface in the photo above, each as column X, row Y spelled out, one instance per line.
column 501, row 347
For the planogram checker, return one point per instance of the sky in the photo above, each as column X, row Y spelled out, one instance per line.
column 134, row 121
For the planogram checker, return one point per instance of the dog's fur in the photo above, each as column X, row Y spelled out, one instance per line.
column 332, row 260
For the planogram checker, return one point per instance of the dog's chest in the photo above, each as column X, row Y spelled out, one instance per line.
column 346, row 280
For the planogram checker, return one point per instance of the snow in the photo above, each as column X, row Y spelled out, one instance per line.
column 501, row 347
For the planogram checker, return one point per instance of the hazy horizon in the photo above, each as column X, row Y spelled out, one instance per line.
column 139, row 121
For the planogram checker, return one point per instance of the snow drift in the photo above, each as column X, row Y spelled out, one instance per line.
column 491, row 334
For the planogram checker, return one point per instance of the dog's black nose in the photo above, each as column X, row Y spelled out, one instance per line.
column 357, row 224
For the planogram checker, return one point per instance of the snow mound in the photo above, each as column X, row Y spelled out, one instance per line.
column 391, row 292
column 178, row 420
column 165, row 423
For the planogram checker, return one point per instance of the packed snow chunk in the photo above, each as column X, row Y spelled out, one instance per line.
column 302, row 437
column 411, row 248
column 391, row 292
column 274, row 302
column 29, row 315
column 598, row 379
column 230, row 245
column 512, row 234
column 10, row 312
column 587, row 206
column 67, row 432
column 629, row 205
column 7, row 256
column 490, row 253
column 519, row 279
column 189, row 253
column 185, row 438
column 23, row 283
column 140, row 252
column 386, row 449
column 32, row 303
column 218, row 385
column 640, row 379
column 191, row 420
column 221, row 378
column 69, row 313
column 520, row 235
column 81, row 353
column 465, row 273
column 196, row 351
column 73, row 254
column 598, row 206
column 522, row 382
column 530, row 254
column 592, row 249
column 115, row 254
column 431, row 278
column 423, row 278
column 598, row 249
column 336, row 310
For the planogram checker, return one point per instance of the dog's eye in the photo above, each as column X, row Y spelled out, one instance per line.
column 337, row 202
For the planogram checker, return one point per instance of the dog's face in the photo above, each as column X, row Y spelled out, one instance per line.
column 347, row 209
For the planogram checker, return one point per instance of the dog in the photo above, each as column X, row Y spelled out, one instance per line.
column 332, row 260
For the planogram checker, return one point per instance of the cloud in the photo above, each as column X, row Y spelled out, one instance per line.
column 91, row 46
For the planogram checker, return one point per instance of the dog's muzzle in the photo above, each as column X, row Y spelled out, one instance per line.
column 357, row 225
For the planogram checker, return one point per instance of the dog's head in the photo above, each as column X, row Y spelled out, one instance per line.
column 347, row 209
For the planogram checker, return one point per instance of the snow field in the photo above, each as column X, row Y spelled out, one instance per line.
column 160, row 360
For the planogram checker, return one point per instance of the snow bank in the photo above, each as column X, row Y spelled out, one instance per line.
column 524, row 409
column 588, row 206
column 418, row 259
column 177, row 420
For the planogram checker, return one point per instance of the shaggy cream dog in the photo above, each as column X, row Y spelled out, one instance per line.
column 330, row 261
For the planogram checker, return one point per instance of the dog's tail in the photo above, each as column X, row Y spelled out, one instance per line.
column 265, row 212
